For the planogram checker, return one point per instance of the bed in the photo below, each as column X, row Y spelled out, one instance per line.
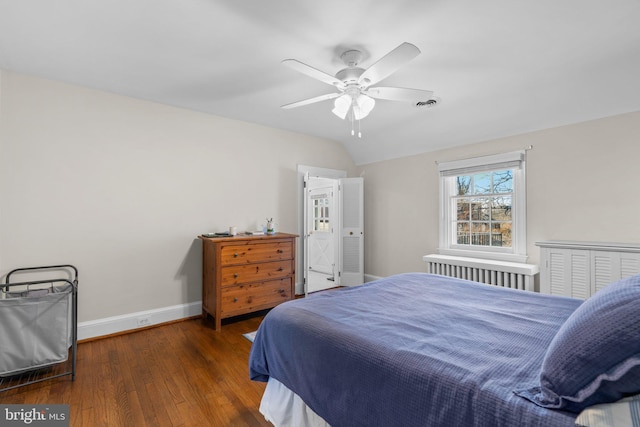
column 423, row 350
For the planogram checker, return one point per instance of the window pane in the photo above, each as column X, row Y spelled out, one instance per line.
column 480, row 235
column 463, row 209
column 480, row 209
column 463, row 233
column 503, row 181
column 463, row 185
column 501, row 208
column 482, row 183
column 501, row 234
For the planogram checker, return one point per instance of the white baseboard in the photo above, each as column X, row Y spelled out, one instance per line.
column 140, row 319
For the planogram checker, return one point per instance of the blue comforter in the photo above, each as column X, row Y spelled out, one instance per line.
column 414, row 350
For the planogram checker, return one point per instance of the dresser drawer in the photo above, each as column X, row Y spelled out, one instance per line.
column 235, row 274
column 256, row 252
column 255, row 296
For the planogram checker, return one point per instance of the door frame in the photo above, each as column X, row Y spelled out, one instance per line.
column 313, row 171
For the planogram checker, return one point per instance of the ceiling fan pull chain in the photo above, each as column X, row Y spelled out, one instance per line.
column 352, row 129
column 359, row 132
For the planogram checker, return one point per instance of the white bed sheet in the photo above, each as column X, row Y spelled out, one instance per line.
column 283, row 408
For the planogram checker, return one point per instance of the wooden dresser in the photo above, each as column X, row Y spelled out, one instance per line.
column 242, row 274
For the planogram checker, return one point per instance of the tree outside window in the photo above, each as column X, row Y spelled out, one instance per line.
column 483, row 203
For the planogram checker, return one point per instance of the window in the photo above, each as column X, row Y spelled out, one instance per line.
column 321, row 213
column 483, row 209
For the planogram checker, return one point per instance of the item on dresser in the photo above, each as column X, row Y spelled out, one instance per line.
column 216, row 234
column 244, row 274
column 270, row 226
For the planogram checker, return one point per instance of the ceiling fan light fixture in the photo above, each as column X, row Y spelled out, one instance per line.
column 341, row 106
column 360, row 105
column 363, row 106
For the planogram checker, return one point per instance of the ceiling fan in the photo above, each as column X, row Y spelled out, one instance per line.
column 356, row 91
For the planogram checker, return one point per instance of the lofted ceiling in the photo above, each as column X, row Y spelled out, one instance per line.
column 500, row 67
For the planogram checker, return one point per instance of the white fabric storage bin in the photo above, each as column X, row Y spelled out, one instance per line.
column 35, row 330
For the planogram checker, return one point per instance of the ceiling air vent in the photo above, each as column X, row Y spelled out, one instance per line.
column 430, row 103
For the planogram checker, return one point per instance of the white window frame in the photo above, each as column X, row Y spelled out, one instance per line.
column 515, row 160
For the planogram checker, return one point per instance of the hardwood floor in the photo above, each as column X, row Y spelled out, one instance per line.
column 180, row 374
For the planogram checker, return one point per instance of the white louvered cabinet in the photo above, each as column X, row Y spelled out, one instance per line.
column 580, row 269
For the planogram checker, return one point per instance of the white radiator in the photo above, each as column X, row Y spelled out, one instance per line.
column 498, row 273
column 580, row 269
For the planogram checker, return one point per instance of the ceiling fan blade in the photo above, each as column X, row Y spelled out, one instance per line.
column 313, row 72
column 399, row 94
column 389, row 63
column 311, row 100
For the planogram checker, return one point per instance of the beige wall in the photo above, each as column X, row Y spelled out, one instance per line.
column 121, row 187
column 582, row 184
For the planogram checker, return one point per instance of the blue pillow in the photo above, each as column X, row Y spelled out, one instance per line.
column 595, row 355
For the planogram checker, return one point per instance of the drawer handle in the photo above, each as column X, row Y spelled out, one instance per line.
column 235, row 255
column 235, row 300
column 281, row 269
column 281, row 291
column 235, row 275
column 280, row 251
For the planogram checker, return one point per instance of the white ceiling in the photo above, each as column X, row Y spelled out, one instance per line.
column 500, row 67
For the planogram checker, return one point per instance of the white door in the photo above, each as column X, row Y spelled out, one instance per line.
column 351, row 268
column 320, row 234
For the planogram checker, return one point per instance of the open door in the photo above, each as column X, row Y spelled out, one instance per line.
column 333, row 232
column 351, row 267
column 320, row 234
